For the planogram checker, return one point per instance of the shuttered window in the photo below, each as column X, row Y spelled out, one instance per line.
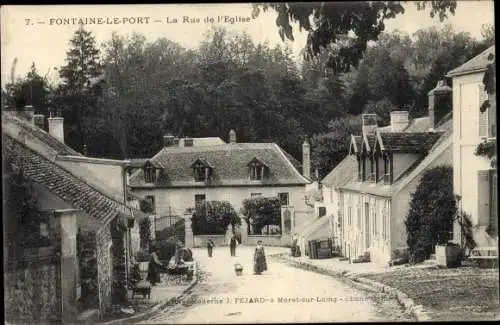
column 483, row 197
column 483, row 116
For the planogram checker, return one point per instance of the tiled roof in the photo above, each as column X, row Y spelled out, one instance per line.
column 139, row 162
column 40, row 134
column 65, row 185
column 476, row 64
column 409, row 142
column 420, row 124
column 229, row 163
column 207, row 141
column 345, row 171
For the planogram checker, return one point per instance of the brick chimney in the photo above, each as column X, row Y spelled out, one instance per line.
column 39, row 121
column 232, row 136
column 29, row 112
column 369, row 123
column 306, row 158
column 440, row 102
column 399, row 120
column 56, row 128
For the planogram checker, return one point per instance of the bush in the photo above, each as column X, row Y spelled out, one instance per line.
column 187, row 254
column 213, row 218
column 432, row 211
column 166, row 248
column 177, row 230
column 262, row 211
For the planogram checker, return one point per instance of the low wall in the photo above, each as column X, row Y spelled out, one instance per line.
column 201, row 240
column 267, row 240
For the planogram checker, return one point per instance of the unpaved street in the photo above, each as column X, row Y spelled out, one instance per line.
column 282, row 294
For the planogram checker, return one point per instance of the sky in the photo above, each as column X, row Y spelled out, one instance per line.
column 41, row 33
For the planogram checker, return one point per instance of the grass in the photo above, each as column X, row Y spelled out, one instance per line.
column 464, row 293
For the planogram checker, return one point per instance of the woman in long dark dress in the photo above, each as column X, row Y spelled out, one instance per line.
column 210, row 247
column 154, row 268
column 259, row 259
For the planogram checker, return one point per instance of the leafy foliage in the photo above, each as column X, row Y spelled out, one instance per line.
column 87, row 263
column 468, row 243
column 145, row 232
column 177, row 230
column 332, row 21
column 213, row 217
column 261, row 211
column 487, row 148
column 432, row 211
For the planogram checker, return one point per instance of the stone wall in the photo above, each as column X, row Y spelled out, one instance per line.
column 32, row 294
column 267, row 240
column 104, row 269
column 201, row 240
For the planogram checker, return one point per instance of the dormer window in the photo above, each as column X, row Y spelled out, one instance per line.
column 388, row 169
column 257, row 170
column 149, row 172
column 202, row 170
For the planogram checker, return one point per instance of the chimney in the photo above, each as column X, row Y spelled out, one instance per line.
column 186, row 142
column 56, row 128
column 39, row 121
column 168, row 140
column 440, row 102
column 306, row 158
column 369, row 123
column 399, row 120
column 232, row 136
column 29, row 112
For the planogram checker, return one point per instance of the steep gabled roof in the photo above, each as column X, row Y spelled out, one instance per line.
column 356, row 143
column 65, row 185
column 36, row 132
column 404, row 142
column 344, row 172
column 229, row 163
column 477, row 64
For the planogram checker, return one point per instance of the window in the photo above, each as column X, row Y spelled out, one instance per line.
column 255, row 194
column 321, row 211
column 483, row 116
column 284, row 198
column 202, row 170
column 257, row 170
column 199, row 198
column 387, row 169
column 349, row 216
column 359, row 214
column 151, row 200
column 375, row 221
column 149, row 172
column 372, row 170
column 384, row 222
column 199, row 174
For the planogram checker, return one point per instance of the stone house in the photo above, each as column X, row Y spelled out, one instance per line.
column 191, row 170
column 85, row 211
column 391, row 160
column 475, row 177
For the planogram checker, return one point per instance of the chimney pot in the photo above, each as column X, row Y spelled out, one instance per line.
column 369, row 123
column 56, row 128
column 439, row 98
column 168, row 140
column 399, row 120
column 232, row 136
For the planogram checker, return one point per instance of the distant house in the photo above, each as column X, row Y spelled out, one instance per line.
column 190, row 170
column 475, row 177
column 87, row 216
column 390, row 163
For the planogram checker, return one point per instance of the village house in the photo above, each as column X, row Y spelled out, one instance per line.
column 94, row 229
column 190, row 170
column 325, row 196
column 475, row 176
column 391, row 161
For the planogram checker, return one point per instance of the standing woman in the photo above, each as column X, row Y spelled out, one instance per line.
column 259, row 259
column 232, row 245
column 210, row 246
column 154, row 268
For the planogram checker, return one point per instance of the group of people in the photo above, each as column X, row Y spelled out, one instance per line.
column 259, row 259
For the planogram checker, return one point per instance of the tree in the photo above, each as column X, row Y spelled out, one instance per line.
column 213, row 217
column 76, row 96
column 259, row 212
column 331, row 21
column 432, row 211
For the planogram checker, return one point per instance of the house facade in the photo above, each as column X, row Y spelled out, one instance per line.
column 390, row 162
column 80, row 213
column 475, row 176
column 183, row 173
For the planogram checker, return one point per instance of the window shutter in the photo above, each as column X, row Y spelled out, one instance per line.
column 483, row 196
column 494, row 201
column 483, row 116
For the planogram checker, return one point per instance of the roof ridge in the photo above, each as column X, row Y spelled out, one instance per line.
column 75, row 177
column 278, row 148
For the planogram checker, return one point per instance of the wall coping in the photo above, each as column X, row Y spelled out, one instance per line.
column 273, row 236
column 92, row 160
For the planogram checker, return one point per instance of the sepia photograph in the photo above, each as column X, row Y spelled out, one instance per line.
column 246, row 163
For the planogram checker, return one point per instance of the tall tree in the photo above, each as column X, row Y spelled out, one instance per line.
column 78, row 92
column 331, row 21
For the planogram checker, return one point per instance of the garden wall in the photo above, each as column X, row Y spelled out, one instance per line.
column 201, row 240
column 267, row 240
